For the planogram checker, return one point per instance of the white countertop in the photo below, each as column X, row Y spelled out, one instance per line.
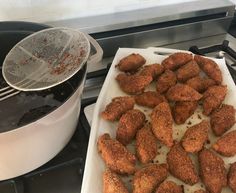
column 50, row 10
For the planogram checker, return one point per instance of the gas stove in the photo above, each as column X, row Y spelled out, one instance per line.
column 201, row 31
column 64, row 173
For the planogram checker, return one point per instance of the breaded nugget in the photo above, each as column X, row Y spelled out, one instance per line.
column 195, row 137
column 146, row 146
column 115, row 155
column 232, row 177
column 148, row 178
column 182, row 92
column 213, row 97
column 226, row 145
column 131, row 63
column 117, row 107
column 149, row 99
column 200, row 191
column 112, row 183
column 200, row 84
column 181, row 166
column 210, row 68
column 169, row 187
column 165, row 81
column 212, row 171
column 183, row 110
column 152, row 70
column 129, row 124
column 222, row 119
column 161, row 121
column 176, row 60
column 133, row 84
column 187, row 71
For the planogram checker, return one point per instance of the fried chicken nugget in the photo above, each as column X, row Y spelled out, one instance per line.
column 165, row 81
column 152, row 70
column 183, row 110
column 187, row 71
column 131, row 63
column 213, row 97
column 210, row 68
column 195, row 137
column 146, row 146
column 169, row 187
column 226, row 145
column 232, row 177
column 117, row 107
column 181, row 166
column 176, row 60
column 161, row 121
column 149, row 99
column 112, row 183
column 133, row 84
column 115, row 155
column 200, row 84
column 212, row 171
column 222, row 119
column 182, row 92
column 148, row 178
column 129, row 124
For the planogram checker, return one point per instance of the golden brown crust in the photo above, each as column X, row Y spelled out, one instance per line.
column 129, row 124
column 169, row 187
column 213, row 97
column 131, row 63
column 200, row 84
column 212, row 171
column 152, row 70
column 133, row 84
column 182, row 92
column 181, row 166
column 195, row 137
column 149, row 99
column 176, row 60
column 112, row 183
column 183, row 110
column 210, row 68
column 222, row 119
column 147, row 179
column 187, row 71
column 115, row 155
column 146, row 146
column 162, row 121
column 200, row 191
column 165, row 81
column 226, row 145
column 117, row 107
column 232, row 177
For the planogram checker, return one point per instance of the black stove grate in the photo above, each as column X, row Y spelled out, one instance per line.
column 217, row 48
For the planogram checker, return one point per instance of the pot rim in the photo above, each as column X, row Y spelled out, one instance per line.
column 52, row 111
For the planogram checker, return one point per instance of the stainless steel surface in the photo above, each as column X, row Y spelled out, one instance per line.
column 163, row 36
column 158, row 14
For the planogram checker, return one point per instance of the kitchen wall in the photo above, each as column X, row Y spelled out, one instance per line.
column 52, row 10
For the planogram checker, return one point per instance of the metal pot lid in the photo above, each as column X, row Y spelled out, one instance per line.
column 46, row 59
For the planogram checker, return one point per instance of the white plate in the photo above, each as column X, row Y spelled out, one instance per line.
column 94, row 168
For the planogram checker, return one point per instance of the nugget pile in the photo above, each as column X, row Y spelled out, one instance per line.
column 183, row 82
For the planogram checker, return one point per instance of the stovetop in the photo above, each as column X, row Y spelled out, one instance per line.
column 64, row 173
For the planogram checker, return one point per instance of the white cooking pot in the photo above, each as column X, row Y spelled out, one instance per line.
column 25, row 148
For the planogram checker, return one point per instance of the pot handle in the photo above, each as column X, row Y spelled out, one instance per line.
column 97, row 57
